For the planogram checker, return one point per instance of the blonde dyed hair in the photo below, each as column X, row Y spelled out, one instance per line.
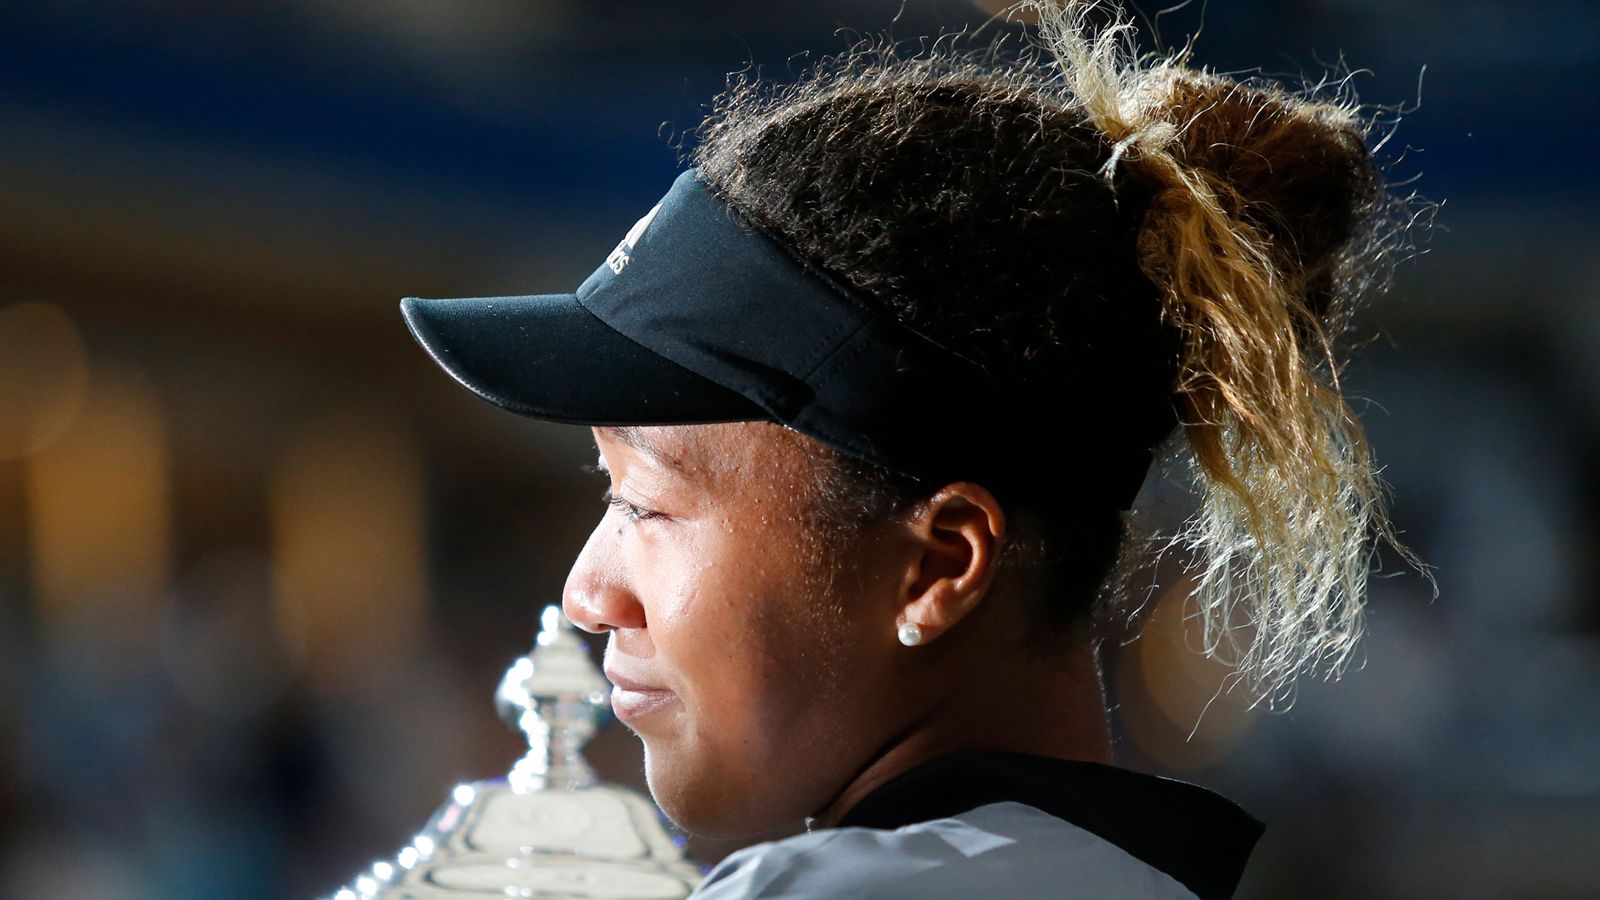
column 1289, row 494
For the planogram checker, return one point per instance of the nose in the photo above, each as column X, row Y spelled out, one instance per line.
column 596, row 597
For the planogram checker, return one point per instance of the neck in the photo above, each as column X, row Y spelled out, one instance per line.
column 1051, row 707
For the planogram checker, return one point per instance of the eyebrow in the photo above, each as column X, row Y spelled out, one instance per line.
column 635, row 437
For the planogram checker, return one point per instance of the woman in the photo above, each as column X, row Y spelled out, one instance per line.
column 875, row 386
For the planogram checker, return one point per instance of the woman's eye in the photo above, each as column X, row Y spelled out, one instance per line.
column 634, row 513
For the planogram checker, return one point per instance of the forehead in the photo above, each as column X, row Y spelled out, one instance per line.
column 713, row 453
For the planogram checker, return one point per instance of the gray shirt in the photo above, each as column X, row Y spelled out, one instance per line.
column 998, row 825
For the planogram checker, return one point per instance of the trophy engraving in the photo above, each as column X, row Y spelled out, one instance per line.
column 550, row 827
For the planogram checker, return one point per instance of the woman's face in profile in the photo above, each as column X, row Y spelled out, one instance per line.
column 768, row 653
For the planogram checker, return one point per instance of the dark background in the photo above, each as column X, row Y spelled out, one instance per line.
column 262, row 564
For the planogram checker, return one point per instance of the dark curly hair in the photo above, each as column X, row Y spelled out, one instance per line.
column 1150, row 244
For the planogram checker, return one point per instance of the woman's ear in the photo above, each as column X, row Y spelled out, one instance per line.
column 956, row 536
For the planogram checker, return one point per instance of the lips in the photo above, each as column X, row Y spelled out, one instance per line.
column 629, row 684
column 632, row 700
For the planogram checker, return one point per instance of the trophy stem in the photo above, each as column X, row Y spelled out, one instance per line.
column 555, row 750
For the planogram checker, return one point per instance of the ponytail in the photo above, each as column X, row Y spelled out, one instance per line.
column 1260, row 204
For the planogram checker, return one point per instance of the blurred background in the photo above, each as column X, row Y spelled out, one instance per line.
column 262, row 564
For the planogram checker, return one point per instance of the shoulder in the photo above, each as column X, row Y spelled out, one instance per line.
column 999, row 850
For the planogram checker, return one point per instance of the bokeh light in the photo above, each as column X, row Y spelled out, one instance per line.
column 348, row 548
column 44, row 376
column 1176, row 703
column 99, row 512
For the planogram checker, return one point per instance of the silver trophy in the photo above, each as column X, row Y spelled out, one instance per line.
column 550, row 828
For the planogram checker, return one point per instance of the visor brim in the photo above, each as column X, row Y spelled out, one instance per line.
column 548, row 357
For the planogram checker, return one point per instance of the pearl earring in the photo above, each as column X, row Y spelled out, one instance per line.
column 910, row 634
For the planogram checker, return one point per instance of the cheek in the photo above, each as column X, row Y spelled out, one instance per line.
column 780, row 674
column 775, row 714
column 769, row 638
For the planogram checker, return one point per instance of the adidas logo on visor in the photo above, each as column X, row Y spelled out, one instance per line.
column 618, row 260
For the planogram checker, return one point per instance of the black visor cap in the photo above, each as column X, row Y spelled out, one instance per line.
column 698, row 317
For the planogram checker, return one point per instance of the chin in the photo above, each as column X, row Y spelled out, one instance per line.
column 705, row 802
